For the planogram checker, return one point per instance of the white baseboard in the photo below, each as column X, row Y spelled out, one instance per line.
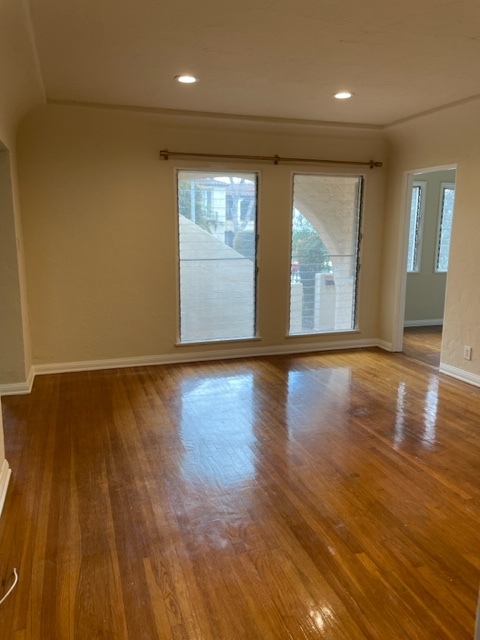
column 460, row 374
column 423, row 323
column 202, row 356
column 18, row 388
column 179, row 358
column 15, row 389
column 383, row 344
column 5, row 473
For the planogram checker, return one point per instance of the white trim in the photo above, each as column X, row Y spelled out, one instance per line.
column 5, row 474
column 400, row 285
column 460, row 374
column 30, row 379
column 386, row 346
column 178, row 358
column 435, row 169
column 15, row 389
column 424, row 323
column 224, row 354
column 401, row 276
column 18, row 388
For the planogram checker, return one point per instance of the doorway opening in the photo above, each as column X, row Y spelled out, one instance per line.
column 430, row 202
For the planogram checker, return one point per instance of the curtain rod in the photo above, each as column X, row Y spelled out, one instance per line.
column 165, row 154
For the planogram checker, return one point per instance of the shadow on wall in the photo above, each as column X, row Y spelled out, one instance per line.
column 12, row 362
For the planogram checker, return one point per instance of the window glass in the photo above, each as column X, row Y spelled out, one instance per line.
column 217, row 255
column 447, row 204
column 324, row 256
column 416, row 223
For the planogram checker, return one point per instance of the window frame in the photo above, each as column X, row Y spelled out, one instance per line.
column 360, row 205
column 218, row 170
column 418, row 239
column 443, row 186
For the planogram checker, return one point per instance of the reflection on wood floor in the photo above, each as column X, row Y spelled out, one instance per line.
column 423, row 343
column 329, row 496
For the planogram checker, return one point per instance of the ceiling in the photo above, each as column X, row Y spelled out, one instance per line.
column 270, row 58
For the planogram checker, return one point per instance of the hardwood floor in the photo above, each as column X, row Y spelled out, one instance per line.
column 423, row 343
column 327, row 496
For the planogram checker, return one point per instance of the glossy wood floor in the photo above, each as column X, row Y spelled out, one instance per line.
column 423, row 343
column 327, row 496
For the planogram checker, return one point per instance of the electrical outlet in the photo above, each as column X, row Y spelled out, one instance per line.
column 467, row 352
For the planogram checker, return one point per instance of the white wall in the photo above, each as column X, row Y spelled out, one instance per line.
column 98, row 210
column 425, row 294
column 20, row 90
column 20, row 81
column 99, row 219
column 12, row 341
column 447, row 137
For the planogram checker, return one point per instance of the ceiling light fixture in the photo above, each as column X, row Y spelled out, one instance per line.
column 186, row 79
column 343, row 95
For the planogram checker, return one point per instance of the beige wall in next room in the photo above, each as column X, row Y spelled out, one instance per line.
column 425, row 294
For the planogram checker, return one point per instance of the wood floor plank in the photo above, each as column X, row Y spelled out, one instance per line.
column 332, row 496
column 423, row 343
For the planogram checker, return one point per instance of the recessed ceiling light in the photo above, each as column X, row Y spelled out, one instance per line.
column 343, row 95
column 186, row 79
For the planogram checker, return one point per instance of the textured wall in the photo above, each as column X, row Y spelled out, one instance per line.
column 12, row 366
column 448, row 137
column 20, row 90
column 20, row 82
column 99, row 218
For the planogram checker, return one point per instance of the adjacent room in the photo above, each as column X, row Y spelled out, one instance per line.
column 430, row 229
column 239, row 346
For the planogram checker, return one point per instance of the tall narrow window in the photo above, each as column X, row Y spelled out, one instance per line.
column 325, row 238
column 447, row 203
column 217, row 251
column 416, row 226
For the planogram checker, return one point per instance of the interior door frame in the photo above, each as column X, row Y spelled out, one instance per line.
column 409, row 178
